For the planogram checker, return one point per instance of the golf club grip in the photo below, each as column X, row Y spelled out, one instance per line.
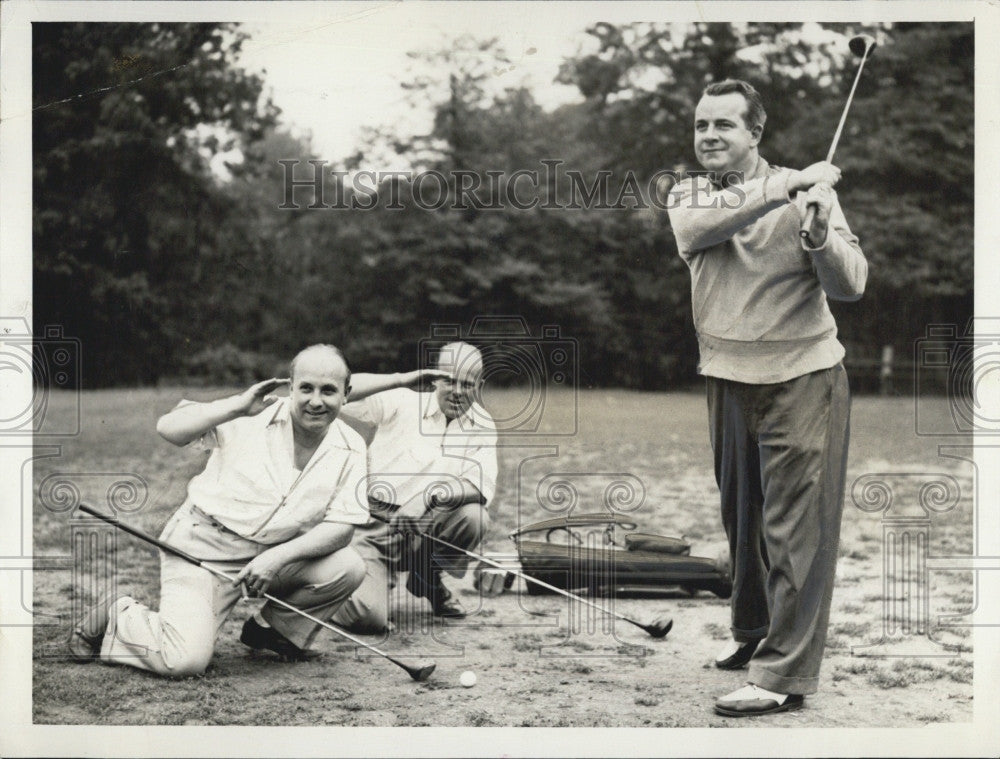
column 807, row 224
column 141, row 535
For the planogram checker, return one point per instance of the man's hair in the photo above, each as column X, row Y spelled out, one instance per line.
column 320, row 347
column 755, row 114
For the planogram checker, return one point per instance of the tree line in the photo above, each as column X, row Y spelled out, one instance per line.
column 164, row 270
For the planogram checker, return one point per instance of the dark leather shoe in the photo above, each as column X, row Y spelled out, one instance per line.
column 85, row 641
column 257, row 637
column 444, row 604
column 752, row 701
column 740, row 658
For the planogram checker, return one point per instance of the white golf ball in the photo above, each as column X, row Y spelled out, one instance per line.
column 468, row 679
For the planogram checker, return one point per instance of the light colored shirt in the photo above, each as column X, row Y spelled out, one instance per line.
column 250, row 484
column 416, row 449
column 758, row 293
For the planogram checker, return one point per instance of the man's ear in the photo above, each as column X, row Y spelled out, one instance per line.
column 347, row 393
column 757, row 132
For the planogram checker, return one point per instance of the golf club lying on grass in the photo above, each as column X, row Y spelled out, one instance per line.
column 860, row 46
column 417, row 670
column 658, row 628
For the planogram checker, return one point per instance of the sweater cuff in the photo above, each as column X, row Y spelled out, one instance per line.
column 776, row 188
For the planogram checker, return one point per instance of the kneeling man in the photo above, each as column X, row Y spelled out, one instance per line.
column 275, row 506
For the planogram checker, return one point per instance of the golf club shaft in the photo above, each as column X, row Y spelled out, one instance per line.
column 226, row 576
column 811, row 211
column 522, row 575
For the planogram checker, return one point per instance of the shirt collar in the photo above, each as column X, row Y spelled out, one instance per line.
column 467, row 421
column 432, row 409
column 282, row 414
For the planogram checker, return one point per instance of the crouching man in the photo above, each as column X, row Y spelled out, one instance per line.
column 275, row 507
column 433, row 464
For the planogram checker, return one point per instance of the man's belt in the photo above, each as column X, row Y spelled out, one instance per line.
column 213, row 521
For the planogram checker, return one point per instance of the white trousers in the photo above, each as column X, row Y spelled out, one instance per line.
column 179, row 639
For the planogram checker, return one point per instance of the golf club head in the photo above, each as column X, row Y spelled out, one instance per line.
column 659, row 627
column 421, row 671
column 862, row 45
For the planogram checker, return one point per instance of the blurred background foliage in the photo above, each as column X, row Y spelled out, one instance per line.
column 165, row 268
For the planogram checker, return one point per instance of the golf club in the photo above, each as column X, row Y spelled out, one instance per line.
column 417, row 670
column 658, row 628
column 860, row 46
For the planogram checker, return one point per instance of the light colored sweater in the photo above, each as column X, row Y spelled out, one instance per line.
column 759, row 295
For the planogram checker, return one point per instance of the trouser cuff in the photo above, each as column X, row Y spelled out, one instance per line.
column 780, row 683
column 749, row 636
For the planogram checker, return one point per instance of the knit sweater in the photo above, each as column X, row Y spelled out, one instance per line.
column 758, row 293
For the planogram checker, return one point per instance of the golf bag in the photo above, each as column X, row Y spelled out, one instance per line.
column 614, row 561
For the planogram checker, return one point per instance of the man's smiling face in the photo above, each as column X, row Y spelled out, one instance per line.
column 722, row 140
column 319, row 389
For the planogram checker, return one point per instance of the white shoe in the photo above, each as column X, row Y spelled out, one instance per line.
column 752, row 700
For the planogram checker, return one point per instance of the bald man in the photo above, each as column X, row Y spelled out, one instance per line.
column 433, row 468
column 275, row 507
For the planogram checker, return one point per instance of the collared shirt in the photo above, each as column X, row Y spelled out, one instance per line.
column 250, row 484
column 417, row 449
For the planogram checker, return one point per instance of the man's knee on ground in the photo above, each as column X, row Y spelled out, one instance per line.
column 188, row 664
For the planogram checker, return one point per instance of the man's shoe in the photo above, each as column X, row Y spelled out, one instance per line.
column 736, row 655
column 85, row 641
column 444, row 604
column 754, row 701
column 258, row 637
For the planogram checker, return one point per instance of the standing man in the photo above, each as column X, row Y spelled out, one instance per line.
column 275, row 506
column 778, row 398
column 433, row 466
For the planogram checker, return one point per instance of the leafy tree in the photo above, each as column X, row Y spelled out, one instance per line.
column 126, row 119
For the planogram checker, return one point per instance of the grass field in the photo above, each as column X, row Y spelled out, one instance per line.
column 540, row 662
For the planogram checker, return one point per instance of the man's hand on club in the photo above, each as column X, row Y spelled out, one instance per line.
column 259, row 573
column 822, row 172
column 256, row 398
column 822, row 197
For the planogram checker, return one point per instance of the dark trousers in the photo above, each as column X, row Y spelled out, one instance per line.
column 780, row 462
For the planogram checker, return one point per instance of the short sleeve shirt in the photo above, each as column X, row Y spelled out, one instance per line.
column 250, row 484
column 417, row 450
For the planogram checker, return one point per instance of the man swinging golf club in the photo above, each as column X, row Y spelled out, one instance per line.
column 778, row 397
column 275, row 508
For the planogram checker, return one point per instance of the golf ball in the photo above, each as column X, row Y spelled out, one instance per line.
column 468, row 679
